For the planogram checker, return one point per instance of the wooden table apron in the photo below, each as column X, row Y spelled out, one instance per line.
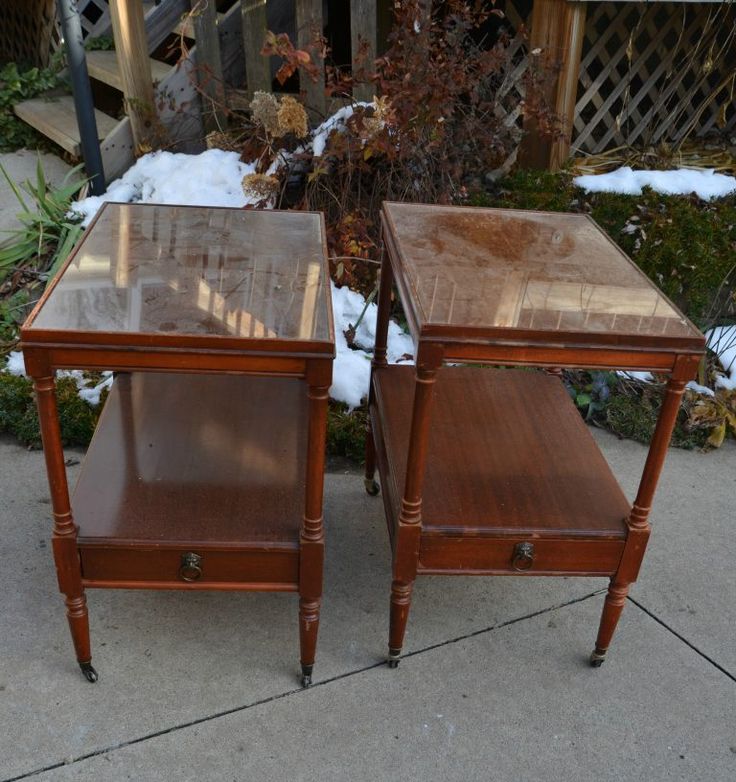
column 437, row 345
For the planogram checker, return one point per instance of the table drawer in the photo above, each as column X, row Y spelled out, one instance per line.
column 189, row 568
column 531, row 556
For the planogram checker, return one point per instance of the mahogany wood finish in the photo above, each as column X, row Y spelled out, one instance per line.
column 206, row 469
column 488, row 471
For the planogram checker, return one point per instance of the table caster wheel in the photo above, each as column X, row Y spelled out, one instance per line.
column 372, row 487
column 306, row 675
column 90, row 674
column 597, row 658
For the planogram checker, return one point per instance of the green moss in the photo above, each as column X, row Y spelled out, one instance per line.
column 346, row 431
column 18, row 414
column 634, row 417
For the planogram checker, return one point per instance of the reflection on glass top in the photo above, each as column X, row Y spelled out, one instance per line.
column 195, row 271
column 496, row 268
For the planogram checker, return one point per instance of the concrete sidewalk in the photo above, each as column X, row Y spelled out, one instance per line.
column 495, row 685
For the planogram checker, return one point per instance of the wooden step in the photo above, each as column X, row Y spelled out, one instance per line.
column 103, row 66
column 56, row 119
column 186, row 26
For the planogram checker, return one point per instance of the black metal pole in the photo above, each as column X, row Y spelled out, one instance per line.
column 71, row 29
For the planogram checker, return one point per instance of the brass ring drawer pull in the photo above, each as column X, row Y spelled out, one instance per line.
column 523, row 557
column 191, row 566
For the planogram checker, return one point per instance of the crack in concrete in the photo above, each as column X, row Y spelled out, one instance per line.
column 682, row 638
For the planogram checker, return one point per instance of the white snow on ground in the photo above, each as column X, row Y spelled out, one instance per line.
column 682, row 181
column 16, row 366
column 642, row 377
column 212, row 178
column 698, row 389
column 92, row 395
column 352, row 368
column 722, row 341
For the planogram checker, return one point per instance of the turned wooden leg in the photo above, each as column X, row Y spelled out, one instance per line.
column 64, row 540
column 638, row 521
column 311, row 541
column 400, row 605
column 612, row 609
column 308, row 630
column 408, row 534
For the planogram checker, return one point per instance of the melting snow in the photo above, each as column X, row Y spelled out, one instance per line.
column 722, row 341
column 683, row 181
column 212, row 178
column 352, row 368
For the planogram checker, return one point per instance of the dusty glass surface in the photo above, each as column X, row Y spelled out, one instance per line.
column 195, row 271
column 498, row 268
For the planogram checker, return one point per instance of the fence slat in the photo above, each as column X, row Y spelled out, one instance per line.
column 209, row 64
column 255, row 25
column 573, row 33
column 363, row 31
column 308, row 22
column 129, row 31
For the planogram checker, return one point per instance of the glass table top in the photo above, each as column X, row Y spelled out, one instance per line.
column 194, row 272
column 508, row 269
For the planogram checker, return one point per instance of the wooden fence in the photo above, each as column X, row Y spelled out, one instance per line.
column 631, row 73
column 648, row 72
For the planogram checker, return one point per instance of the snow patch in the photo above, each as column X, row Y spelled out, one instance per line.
column 722, row 341
column 682, row 181
column 16, row 366
column 352, row 368
column 92, row 395
column 212, row 178
column 698, row 389
column 642, row 377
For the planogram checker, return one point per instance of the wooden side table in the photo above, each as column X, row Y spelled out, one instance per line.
column 493, row 472
column 206, row 469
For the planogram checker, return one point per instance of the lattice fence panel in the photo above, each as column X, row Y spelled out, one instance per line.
column 94, row 16
column 26, row 31
column 650, row 72
column 511, row 91
column 655, row 72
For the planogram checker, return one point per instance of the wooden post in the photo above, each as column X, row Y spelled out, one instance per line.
column 309, row 21
column 363, row 31
column 558, row 28
column 209, row 64
column 255, row 25
column 131, row 45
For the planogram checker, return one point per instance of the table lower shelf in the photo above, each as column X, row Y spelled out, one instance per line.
column 210, row 465
column 509, row 462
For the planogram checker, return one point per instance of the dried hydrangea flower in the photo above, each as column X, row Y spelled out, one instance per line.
column 265, row 109
column 260, row 186
column 219, row 140
column 292, row 117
